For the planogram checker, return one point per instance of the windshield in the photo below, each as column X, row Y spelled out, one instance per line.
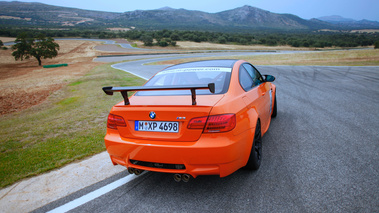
column 190, row 76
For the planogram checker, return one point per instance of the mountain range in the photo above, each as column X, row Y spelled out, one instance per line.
column 241, row 19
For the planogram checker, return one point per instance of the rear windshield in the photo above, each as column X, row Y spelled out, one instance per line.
column 190, row 76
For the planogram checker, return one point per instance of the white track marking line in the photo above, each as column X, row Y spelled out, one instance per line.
column 93, row 195
column 113, row 66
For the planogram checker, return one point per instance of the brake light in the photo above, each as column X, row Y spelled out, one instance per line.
column 220, row 123
column 114, row 121
column 214, row 123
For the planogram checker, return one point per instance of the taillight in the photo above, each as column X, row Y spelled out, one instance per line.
column 220, row 123
column 197, row 123
column 214, row 123
column 114, row 121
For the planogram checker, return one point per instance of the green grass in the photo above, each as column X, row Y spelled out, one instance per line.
column 68, row 101
column 69, row 126
column 75, row 83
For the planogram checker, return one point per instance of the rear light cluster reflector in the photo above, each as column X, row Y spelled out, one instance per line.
column 214, row 123
column 114, row 121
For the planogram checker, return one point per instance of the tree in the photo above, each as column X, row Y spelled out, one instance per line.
column 376, row 45
column 147, row 40
column 222, row 40
column 39, row 47
column 102, row 35
column 22, row 47
column 163, row 43
column 175, row 37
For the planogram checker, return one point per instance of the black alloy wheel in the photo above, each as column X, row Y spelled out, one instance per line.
column 256, row 151
column 275, row 110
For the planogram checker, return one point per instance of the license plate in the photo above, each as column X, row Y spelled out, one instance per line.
column 156, row 126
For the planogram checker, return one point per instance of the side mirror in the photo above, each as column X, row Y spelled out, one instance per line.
column 268, row 78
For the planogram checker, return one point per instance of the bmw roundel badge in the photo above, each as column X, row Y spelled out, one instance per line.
column 152, row 115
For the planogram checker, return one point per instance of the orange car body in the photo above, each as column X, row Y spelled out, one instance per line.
column 195, row 151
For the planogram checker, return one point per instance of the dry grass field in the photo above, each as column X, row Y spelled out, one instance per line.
column 190, row 46
column 7, row 39
column 212, row 46
column 365, row 57
column 24, row 83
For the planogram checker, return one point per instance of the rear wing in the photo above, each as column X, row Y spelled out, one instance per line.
column 124, row 90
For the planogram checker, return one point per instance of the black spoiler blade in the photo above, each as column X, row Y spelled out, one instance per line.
column 124, row 90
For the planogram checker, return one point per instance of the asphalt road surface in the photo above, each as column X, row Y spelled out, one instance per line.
column 321, row 154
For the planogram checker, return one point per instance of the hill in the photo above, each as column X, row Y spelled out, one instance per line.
column 38, row 14
column 350, row 23
column 240, row 19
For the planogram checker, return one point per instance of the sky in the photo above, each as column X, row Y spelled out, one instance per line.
column 306, row 9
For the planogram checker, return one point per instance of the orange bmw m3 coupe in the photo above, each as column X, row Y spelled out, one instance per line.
column 191, row 119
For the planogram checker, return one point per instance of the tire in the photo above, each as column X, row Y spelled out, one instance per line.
column 275, row 110
column 256, row 150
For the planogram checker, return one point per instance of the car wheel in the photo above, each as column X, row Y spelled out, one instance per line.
column 275, row 110
column 256, row 150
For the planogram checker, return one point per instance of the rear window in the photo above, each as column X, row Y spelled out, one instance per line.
column 190, row 76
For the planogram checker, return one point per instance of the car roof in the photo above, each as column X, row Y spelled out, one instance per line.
column 207, row 63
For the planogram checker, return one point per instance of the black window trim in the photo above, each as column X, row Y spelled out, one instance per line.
column 239, row 76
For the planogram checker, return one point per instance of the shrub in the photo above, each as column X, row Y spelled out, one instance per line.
column 163, row 43
column 221, row 40
column 147, row 40
column 175, row 37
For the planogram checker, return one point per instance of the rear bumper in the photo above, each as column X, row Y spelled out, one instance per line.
column 210, row 155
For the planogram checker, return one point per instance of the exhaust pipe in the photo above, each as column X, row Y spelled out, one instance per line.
column 131, row 170
column 137, row 171
column 186, row 178
column 177, row 177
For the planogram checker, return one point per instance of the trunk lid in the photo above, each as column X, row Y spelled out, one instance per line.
column 169, row 111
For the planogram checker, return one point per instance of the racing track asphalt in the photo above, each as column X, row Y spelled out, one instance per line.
column 319, row 155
